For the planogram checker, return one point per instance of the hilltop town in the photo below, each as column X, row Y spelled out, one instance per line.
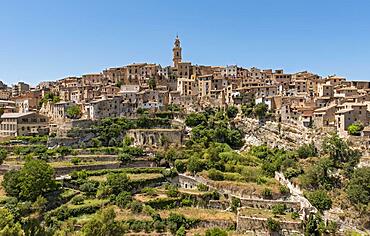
column 302, row 98
column 186, row 149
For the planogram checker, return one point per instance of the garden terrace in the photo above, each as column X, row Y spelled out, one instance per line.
column 201, row 214
column 264, row 213
column 133, row 177
column 246, row 189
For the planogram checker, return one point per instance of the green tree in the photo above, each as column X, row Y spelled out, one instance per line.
column 311, row 226
column 318, row 175
column 307, row 150
column 273, row 225
column 279, row 209
column 340, row 151
column 320, row 200
column 180, row 166
column 74, row 112
column 36, row 178
column 216, row 175
column 152, row 83
column 194, row 165
column 355, row 128
column 118, row 182
column 358, row 189
column 260, row 110
column 3, row 154
column 194, row 119
column 232, row 111
column 103, row 224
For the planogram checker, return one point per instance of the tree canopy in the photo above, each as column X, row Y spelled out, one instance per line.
column 36, row 178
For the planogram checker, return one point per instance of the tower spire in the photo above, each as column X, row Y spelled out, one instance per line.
column 177, row 51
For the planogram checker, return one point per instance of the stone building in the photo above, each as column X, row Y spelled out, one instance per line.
column 349, row 113
column 20, row 88
column 20, row 124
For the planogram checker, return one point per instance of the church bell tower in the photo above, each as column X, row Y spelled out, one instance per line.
column 176, row 52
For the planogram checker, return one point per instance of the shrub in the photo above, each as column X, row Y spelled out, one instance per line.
column 216, row 175
column 136, row 207
column 202, row 187
column 180, row 166
column 295, row 215
column 267, row 193
column 172, row 191
column 216, row 232
column 124, row 157
column 89, row 187
column 273, row 225
column 123, row 199
column 235, row 203
column 149, row 191
column 307, row 150
column 78, row 200
column 279, row 209
column 75, row 160
column 355, row 128
column 284, row 190
column 320, row 200
column 163, row 203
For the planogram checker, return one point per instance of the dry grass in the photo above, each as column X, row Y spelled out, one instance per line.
column 145, row 198
column 126, row 214
column 142, row 176
column 2, row 191
column 202, row 214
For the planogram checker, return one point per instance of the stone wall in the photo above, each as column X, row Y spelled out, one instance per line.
column 268, row 204
column 224, row 224
column 190, row 182
column 259, row 226
column 156, row 137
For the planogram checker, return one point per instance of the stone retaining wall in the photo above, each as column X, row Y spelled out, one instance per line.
column 259, row 226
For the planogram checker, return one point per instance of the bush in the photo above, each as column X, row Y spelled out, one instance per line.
column 123, row 199
column 284, row 190
column 181, row 231
column 202, row 187
column 180, row 166
column 75, row 160
column 78, row 200
column 295, row 215
column 355, row 128
column 320, row 200
column 164, row 203
column 267, row 193
column 216, row 232
column 279, row 209
column 136, row 207
column 273, row 225
column 216, row 175
column 124, row 158
column 307, row 150
column 89, row 187
column 235, row 203
column 149, row 191
column 172, row 191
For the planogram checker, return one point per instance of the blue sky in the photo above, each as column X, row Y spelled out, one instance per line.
column 47, row 40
